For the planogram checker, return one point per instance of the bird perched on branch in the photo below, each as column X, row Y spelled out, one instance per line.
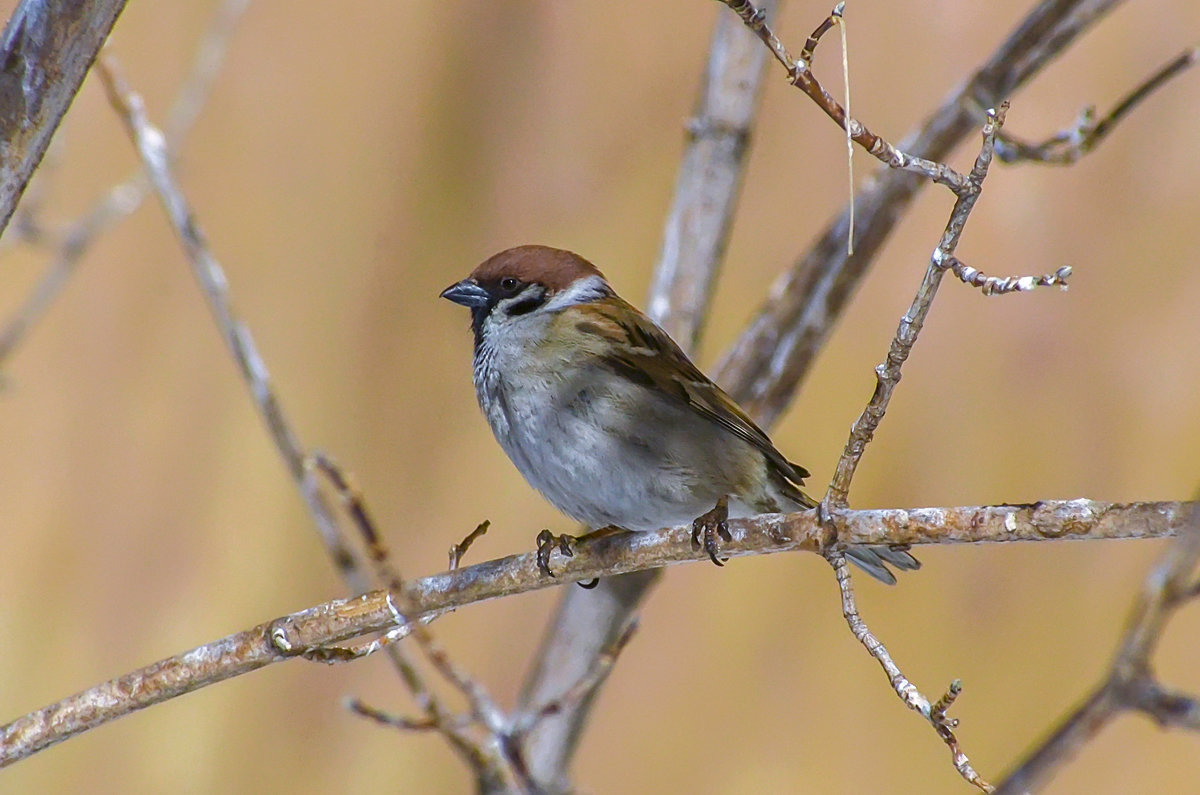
column 607, row 417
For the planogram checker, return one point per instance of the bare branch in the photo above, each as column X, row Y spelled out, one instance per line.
column 1066, row 147
column 328, row 624
column 1130, row 684
column 905, row 689
column 801, row 76
column 710, row 178
column 459, row 550
column 1001, row 285
column 45, row 52
column 887, row 374
column 488, row 753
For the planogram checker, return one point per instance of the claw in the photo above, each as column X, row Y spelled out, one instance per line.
column 590, row 584
column 547, row 542
column 713, row 528
column 545, row 545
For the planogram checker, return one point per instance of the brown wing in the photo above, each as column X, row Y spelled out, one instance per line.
column 652, row 357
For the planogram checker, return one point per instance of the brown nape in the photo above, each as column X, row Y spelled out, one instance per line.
column 555, row 268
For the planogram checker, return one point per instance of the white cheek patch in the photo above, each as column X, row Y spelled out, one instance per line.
column 586, row 290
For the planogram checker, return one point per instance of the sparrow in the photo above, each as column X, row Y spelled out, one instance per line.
column 605, row 415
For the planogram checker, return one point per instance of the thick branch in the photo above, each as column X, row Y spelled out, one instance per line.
column 300, row 633
column 45, row 53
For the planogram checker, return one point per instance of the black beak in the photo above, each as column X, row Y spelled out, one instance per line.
column 467, row 293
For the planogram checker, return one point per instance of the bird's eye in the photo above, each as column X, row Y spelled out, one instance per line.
column 509, row 284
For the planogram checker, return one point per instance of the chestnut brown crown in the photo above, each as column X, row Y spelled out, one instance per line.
column 555, row 268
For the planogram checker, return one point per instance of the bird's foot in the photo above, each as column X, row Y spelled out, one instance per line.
column 711, row 528
column 546, row 544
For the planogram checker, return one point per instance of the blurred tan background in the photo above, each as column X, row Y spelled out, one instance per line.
column 356, row 158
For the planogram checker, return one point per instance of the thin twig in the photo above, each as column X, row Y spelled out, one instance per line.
column 1067, row 146
column 339, row 620
column 582, row 690
column 801, row 76
column 1131, row 685
column 489, row 755
column 1000, row 285
column 887, row 374
column 904, row 688
column 459, row 550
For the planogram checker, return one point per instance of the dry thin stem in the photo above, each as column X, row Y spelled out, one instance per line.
column 459, row 550
column 905, row 689
column 123, row 199
column 151, row 147
column 887, row 374
column 583, row 689
column 1067, row 146
column 492, row 764
column 800, row 75
column 1000, row 285
column 1131, row 685
column 328, row 624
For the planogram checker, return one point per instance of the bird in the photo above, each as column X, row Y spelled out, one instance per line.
column 607, row 417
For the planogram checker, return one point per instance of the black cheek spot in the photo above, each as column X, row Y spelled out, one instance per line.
column 525, row 305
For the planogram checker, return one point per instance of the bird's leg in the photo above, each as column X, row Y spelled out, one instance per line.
column 547, row 542
column 712, row 527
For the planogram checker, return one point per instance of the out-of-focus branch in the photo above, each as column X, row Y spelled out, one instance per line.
column 122, row 199
column 481, row 737
column 151, row 147
column 44, row 54
column 309, row 632
column 768, row 362
column 709, row 183
column 1131, row 685
column 694, row 239
column 1067, row 146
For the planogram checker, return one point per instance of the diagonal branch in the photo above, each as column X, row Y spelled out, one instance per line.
column 151, row 147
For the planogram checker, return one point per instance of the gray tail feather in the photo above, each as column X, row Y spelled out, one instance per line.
column 872, row 559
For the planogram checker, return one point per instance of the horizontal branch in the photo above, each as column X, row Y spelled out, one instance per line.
column 300, row 633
